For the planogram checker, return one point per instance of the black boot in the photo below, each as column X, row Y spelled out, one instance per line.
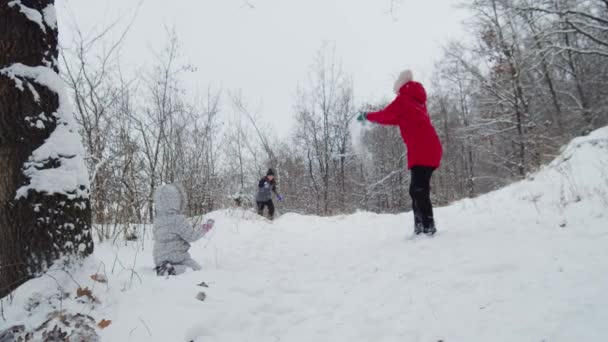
column 418, row 228
column 430, row 229
column 165, row 269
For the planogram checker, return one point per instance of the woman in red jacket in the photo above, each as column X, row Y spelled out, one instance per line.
column 408, row 111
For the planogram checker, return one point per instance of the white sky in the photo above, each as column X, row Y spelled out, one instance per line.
column 267, row 50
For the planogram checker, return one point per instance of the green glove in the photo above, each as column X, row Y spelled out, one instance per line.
column 362, row 117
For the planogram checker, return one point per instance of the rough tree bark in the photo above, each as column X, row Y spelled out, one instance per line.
column 38, row 225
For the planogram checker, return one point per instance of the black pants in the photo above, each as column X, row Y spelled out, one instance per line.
column 270, row 206
column 420, row 191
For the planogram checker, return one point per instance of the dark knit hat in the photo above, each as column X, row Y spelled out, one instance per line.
column 270, row 172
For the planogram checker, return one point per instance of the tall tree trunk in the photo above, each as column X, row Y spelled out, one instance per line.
column 557, row 115
column 469, row 161
column 574, row 69
column 520, row 105
column 45, row 211
column 342, row 194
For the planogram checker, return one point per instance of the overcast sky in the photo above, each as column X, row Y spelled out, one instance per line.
column 266, row 49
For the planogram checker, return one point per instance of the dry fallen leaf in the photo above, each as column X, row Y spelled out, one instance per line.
column 80, row 292
column 104, row 323
column 86, row 292
column 100, row 278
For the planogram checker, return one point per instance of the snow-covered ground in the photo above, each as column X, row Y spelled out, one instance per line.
column 525, row 263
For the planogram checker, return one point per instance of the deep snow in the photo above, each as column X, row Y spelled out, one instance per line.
column 525, row 263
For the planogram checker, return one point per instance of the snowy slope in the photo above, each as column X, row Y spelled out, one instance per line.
column 525, row 263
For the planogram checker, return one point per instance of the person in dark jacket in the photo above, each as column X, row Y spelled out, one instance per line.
column 263, row 198
column 424, row 151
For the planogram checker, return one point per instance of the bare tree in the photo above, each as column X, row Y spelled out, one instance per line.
column 92, row 73
column 324, row 111
column 159, row 120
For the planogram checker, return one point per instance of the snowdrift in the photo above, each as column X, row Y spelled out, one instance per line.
column 525, row 263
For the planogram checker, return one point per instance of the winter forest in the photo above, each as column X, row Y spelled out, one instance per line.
column 530, row 76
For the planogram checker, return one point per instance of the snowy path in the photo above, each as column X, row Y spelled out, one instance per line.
column 525, row 263
column 360, row 278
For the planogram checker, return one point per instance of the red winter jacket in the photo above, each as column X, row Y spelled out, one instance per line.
column 408, row 111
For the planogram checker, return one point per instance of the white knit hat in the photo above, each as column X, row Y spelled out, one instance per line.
column 404, row 77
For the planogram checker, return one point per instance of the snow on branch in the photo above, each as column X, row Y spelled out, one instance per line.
column 62, row 147
column 568, row 12
column 50, row 16
column 588, row 34
column 582, row 51
column 31, row 14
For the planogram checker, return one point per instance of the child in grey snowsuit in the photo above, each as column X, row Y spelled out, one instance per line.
column 263, row 198
column 173, row 233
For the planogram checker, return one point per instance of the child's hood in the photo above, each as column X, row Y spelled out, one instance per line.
column 414, row 90
column 405, row 85
column 170, row 199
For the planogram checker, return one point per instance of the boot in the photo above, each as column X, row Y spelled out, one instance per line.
column 165, row 269
column 418, row 228
column 430, row 229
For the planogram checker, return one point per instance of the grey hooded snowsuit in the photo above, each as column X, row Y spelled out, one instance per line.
column 172, row 231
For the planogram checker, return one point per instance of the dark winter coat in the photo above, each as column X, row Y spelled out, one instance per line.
column 408, row 111
column 265, row 189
